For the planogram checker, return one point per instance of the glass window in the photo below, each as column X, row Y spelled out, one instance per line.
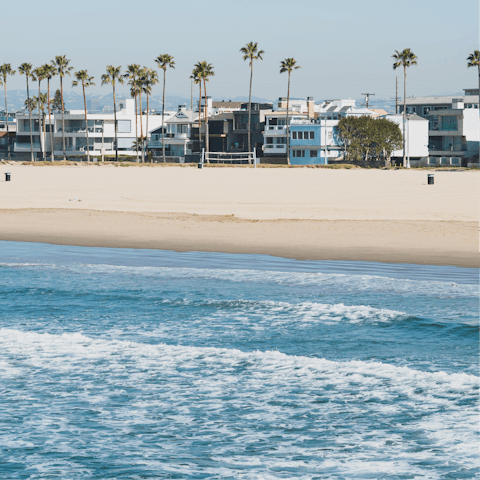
column 123, row 126
column 269, row 140
column 312, row 136
column 313, row 153
column 294, row 135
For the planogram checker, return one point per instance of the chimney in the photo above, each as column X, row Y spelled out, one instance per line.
column 310, row 104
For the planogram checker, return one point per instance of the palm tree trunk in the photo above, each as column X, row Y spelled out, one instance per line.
column 50, row 119
column 200, row 116
column 146, row 133
column 115, row 120
column 206, row 118
column 287, row 129
column 30, row 120
column 86, row 121
column 6, row 117
column 250, row 108
column 404, row 114
column 40, row 130
column 63, row 120
column 141, row 124
column 163, row 114
column 136, row 120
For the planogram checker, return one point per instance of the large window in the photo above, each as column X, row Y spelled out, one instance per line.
column 298, row 153
column 312, row 136
column 124, row 126
column 313, row 153
column 294, row 135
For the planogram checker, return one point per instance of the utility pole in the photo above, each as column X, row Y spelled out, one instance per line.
column 367, row 97
column 191, row 96
column 396, row 95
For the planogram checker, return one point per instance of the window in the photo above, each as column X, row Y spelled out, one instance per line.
column 432, row 161
column 410, row 109
column 123, row 126
column 294, row 135
column 298, row 153
column 426, row 110
column 312, row 136
column 282, row 121
column 313, row 153
column 456, row 161
column 269, row 140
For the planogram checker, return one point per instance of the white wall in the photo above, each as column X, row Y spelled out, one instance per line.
column 416, row 140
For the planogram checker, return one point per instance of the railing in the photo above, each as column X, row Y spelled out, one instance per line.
column 276, row 146
column 80, row 130
column 26, row 145
column 306, row 121
column 244, row 126
column 274, row 128
column 448, row 126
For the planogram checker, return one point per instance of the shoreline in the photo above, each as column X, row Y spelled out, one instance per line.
column 387, row 241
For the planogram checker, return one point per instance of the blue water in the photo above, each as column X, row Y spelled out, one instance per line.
column 141, row 364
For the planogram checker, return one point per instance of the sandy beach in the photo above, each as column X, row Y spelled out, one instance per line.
column 357, row 214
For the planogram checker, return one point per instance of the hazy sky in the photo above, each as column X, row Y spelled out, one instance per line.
column 344, row 47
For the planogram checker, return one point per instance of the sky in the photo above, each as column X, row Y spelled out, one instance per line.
column 343, row 47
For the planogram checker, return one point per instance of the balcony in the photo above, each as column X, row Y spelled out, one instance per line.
column 275, row 149
column 276, row 129
column 80, row 130
column 25, row 147
column 448, row 126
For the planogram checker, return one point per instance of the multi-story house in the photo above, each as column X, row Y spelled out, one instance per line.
column 101, row 132
column 179, row 135
column 453, row 126
column 7, row 139
column 239, row 140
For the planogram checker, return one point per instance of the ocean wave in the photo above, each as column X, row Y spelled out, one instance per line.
column 342, row 418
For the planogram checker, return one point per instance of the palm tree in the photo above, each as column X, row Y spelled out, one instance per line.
column 195, row 76
column 404, row 59
column 288, row 65
column 141, row 74
column 134, row 89
column 86, row 81
column 164, row 61
column 50, row 72
column 205, row 70
column 250, row 52
column 39, row 74
column 133, row 72
column 113, row 76
column 5, row 71
column 40, row 103
column 61, row 63
column 26, row 69
column 149, row 79
column 474, row 61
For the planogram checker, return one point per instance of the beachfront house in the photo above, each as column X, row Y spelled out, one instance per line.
column 7, row 140
column 453, row 128
column 101, row 132
column 178, row 136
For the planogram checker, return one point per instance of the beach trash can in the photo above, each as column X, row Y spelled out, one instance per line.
column 7, row 176
column 200, row 165
column 430, row 178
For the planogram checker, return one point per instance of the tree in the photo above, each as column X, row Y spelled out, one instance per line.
column 133, row 72
column 50, row 72
column 26, row 69
column 113, row 76
column 288, row 65
column 148, row 80
column 474, row 61
column 205, row 70
column 57, row 100
column 40, row 104
column 164, row 61
column 62, row 64
column 5, row 71
column 250, row 52
column 197, row 79
column 39, row 74
column 86, row 81
column 404, row 59
column 365, row 138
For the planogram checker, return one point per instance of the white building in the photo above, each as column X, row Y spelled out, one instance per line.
column 416, row 139
column 101, row 132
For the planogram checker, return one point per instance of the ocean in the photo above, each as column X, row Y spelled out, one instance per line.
column 143, row 364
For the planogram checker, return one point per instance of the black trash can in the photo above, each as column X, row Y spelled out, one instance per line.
column 7, row 176
column 430, row 179
column 200, row 165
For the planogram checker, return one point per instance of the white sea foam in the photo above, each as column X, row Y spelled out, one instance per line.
column 374, row 418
